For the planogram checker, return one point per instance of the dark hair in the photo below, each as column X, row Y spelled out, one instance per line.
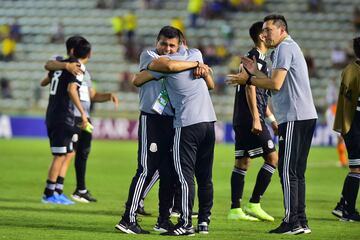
column 278, row 20
column 356, row 46
column 170, row 32
column 71, row 42
column 82, row 49
column 255, row 30
column 182, row 38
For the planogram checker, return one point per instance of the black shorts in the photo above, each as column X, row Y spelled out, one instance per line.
column 60, row 137
column 80, row 133
column 352, row 142
column 250, row 145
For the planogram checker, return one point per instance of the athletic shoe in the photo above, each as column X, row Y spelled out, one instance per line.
column 255, row 210
column 338, row 210
column 306, row 228
column 63, row 199
column 130, row 228
column 52, row 200
column 203, row 228
column 180, row 230
column 83, row 197
column 351, row 217
column 289, row 229
column 164, row 226
column 142, row 211
column 238, row 214
column 177, row 213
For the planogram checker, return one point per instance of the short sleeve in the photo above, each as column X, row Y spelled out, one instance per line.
column 282, row 57
column 157, row 75
column 146, row 57
column 197, row 54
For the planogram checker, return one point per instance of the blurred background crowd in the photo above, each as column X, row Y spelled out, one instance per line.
column 31, row 31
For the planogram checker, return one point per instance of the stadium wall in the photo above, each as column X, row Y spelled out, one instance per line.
column 124, row 129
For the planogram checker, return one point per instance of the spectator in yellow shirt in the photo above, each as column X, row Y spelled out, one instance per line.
column 194, row 10
column 8, row 46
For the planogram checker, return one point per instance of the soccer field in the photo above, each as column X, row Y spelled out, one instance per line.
column 111, row 166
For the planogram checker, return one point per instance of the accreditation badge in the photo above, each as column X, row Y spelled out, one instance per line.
column 161, row 102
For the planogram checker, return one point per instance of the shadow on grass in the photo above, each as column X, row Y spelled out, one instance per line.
column 61, row 210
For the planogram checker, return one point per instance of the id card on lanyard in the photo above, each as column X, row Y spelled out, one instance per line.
column 161, row 101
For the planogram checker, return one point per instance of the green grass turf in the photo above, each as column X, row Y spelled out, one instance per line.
column 23, row 171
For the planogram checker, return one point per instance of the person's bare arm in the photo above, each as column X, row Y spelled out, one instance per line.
column 46, row 81
column 270, row 118
column 250, row 92
column 73, row 67
column 74, row 96
column 164, row 64
column 141, row 78
column 209, row 80
column 260, row 79
column 103, row 97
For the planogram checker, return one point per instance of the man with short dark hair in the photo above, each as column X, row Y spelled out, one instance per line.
column 82, row 138
column 252, row 138
column 295, row 112
column 194, row 131
column 60, row 118
column 347, row 123
column 155, row 136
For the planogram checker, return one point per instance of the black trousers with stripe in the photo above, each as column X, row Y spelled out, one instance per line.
column 294, row 145
column 193, row 155
column 155, row 141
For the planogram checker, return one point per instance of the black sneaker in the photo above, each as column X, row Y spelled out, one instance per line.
column 130, row 228
column 338, row 210
column 83, row 197
column 350, row 217
column 141, row 211
column 164, row 226
column 203, row 228
column 180, row 231
column 289, row 229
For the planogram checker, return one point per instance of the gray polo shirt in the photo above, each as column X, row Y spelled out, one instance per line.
column 189, row 96
column 150, row 91
column 294, row 101
column 84, row 93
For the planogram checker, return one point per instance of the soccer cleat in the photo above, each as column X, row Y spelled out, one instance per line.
column 130, row 228
column 63, row 199
column 306, row 228
column 338, row 210
column 83, row 197
column 163, row 226
column 255, row 210
column 351, row 217
column 180, row 230
column 288, row 229
column 203, row 228
column 142, row 211
column 52, row 200
column 238, row 214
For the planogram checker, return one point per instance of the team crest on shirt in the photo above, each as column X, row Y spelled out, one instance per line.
column 153, row 147
column 270, row 144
